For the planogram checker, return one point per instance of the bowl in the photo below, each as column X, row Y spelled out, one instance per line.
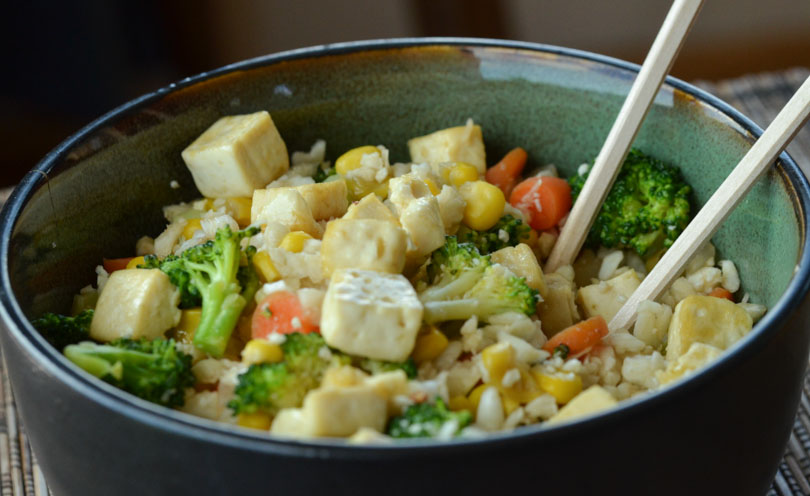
column 723, row 431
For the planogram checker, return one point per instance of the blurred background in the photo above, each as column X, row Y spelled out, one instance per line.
column 72, row 61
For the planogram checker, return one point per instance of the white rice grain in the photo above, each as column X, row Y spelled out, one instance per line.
column 731, row 278
column 489, row 415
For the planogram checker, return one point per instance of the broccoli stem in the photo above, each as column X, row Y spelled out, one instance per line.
column 440, row 311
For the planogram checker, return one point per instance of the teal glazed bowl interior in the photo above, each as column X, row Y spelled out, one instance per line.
column 723, row 431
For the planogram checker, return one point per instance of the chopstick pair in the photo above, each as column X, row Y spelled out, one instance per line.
column 607, row 164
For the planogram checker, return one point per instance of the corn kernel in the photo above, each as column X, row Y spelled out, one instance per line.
column 562, row 386
column 294, row 242
column 475, row 396
column 258, row 420
column 431, row 184
column 240, row 209
column 457, row 403
column 462, row 173
column 261, row 351
column 135, row 262
column 485, row 204
column 509, row 404
column 189, row 321
column 264, row 266
column 498, row 359
column 192, row 226
column 351, row 159
column 430, row 345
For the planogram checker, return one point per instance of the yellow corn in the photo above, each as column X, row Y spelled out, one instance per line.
column 431, row 184
column 294, row 241
column 261, row 351
column 457, row 403
column 462, row 173
column 562, row 386
column 510, row 404
column 135, row 262
column 189, row 321
column 475, row 396
column 485, row 204
column 498, row 359
column 239, row 207
column 192, row 226
column 351, row 159
column 264, row 266
column 258, row 420
column 429, row 346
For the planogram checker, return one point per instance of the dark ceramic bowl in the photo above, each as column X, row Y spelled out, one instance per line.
column 722, row 432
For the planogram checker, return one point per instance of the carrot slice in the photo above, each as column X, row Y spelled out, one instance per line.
column 113, row 264
column 505, row 174
column 281, row 312
column 719, row 292
column 579, row 337
column 544, row 200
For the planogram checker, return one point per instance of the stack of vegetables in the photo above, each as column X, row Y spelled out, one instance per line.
column 367, row 299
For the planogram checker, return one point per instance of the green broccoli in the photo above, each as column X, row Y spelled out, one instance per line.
column 269, row 387
column 463, row 283
column 374, row 367
column 153, row 370
column 427, row 420
column 61, row 330
column 508, row 231
column 211, row 272
column 647, row 208
column 322, row 174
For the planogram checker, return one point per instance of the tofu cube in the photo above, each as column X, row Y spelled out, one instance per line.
column 423, row 222
column 521, row 260
column 592, row 400
column 325, row 200
column 288, row 208
column 363, row 244
column 334, row 412
column 370, row 207
column 605, row 298
column 708, row 320
column 558, row 309
column 371, row 314
column 236, row 155
column 454, row 144
column 135, row 303
column 698, row 356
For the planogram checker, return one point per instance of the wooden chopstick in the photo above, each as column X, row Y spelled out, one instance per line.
column 656, row 66
column 786, row 124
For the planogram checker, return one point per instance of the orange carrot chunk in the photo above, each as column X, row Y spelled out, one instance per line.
column 544, row 200
column 719, row 292
column 281, row 312
column 113, row 264
column 505, row 174
column 579, row 337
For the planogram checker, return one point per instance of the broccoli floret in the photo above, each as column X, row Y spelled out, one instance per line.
column 378, row 367
column 427, row 420
column 61, row 330
column 269, row 387
column 211, row 272
column 647, row 208
column 322, row 174
column 508, row 231
column 463, row 283
column 153, row 370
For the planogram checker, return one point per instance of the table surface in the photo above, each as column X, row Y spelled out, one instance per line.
column 759, row 96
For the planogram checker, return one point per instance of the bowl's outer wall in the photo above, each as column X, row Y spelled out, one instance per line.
column 726, row 435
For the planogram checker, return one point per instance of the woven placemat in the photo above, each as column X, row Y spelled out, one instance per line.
column 758, row 96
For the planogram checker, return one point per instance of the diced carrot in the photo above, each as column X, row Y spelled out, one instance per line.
column 579, row 337
column 113, row 264
column 544, row 200
column 719, row 292
column 505, row 174
column 281, row 312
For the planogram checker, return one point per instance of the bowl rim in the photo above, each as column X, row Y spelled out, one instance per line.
column 210, row 431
